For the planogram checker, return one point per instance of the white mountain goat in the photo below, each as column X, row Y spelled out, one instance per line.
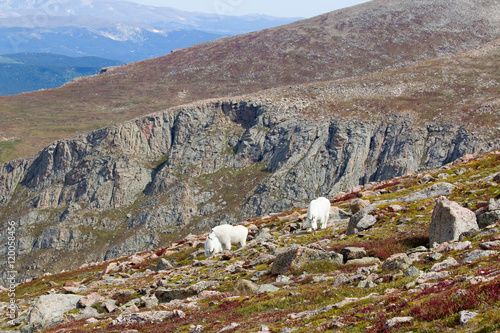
column 228, row 234
column 318, row 210
column 212, row 245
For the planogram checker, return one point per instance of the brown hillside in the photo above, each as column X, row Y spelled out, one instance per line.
column 345, row 43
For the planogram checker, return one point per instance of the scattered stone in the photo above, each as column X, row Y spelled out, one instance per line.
column 490, row 245
column 434, row 256
column 361, row 220
column 264, row 329
column 109, row 307
column 365, row 261
column 358, row 204
column 243, row 286
column 478, row 254
column 395, row 208
column 397, row 262
column 366, row 284
column 466, row 316
column 449, row 220
column 427, row 178
column 445, row 264
column 340, row 280
column 163, row 264
column 267, row 288
column 165, row 295
column 146, row 317
column 432, row 276
column 283, row 279
column 412, row 271
column 489, row 214
column 92, row 321
column 396, row 321
column 90, row 300
column 344, row 302
column 232, row 326
column 350, row 253
column 296, row 256
column 265, row 258
column 417, row 250
column 197, row 329
column 149, row 301
column 264, row 235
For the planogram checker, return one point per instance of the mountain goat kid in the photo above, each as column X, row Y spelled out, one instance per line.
column 212, row 245
column 318, row 210
column 228, row 234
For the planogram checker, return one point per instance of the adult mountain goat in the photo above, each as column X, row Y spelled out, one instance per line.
column 318, row 210
column 228, row 234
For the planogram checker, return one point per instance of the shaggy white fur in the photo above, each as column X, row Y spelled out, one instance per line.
column 212, row 245
column 228, row 234
column 318, row 210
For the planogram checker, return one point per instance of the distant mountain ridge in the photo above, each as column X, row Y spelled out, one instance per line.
column 114, row 29
column 23, row 72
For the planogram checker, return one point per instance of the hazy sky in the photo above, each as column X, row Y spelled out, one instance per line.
column 284, row 8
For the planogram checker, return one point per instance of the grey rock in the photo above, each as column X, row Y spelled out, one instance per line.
column 49, row 310
column 395, row 321
column 357, row 204
column 445, row 264
column 197, row 329
column 267, row 288
column 466, row 316
column 435, row 190
column 412, row 271
column 488, row 215
column 229, row 327
column 423, row 278
column 366, row 284
column 365, row 261
column 264, row 236
column 478, row 254
column 243, row 286
column 427, row 178
column 397, row 262
column 297, row 256
column 146, row 317
column 418, row 249
column 165, row 295
column 262, row 259
column 490, row 245
column 449, row 220
column 350, row 253
column 361, row 220
column 149, row 301
column 434, row 256
column 163, row 264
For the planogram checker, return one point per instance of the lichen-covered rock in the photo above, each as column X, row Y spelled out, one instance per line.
column 449, row 221
column 350, row 253
column 396, row 262
column 245, row 287
column 357, row 204
column 297, row 256
column 49, row 310
column 362, row 220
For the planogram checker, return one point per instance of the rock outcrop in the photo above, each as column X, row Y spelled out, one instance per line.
column 125, row 188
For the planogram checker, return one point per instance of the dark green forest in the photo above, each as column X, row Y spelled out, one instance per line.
column 33, row 71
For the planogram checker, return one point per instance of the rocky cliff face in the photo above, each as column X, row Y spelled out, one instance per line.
column 129, row 187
